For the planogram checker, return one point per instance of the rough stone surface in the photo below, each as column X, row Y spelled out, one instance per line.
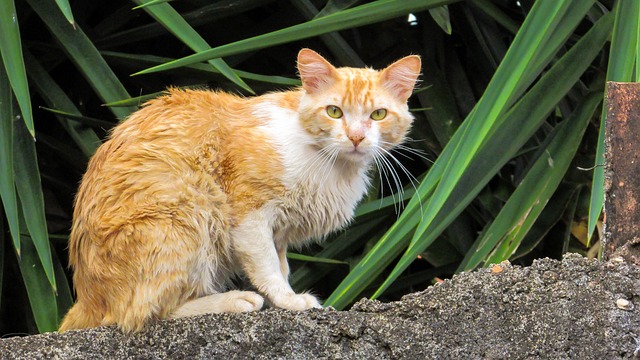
column 550, row 310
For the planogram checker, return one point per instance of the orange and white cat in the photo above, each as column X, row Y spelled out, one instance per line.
column 198, row 186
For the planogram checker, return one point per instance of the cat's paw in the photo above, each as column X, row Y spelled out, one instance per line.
column 297, row 302
column 245, row 301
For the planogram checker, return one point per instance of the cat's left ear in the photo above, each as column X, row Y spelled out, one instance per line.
column 315, row 71
column 401, row 76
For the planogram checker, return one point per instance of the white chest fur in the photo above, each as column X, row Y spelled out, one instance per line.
column 321, row 193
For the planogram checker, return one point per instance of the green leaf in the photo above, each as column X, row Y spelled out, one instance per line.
column 622, row 59
column 341, row 246
column 497, row 14
column 89, row 121
column 54, row 96
column 84, row 55
column 441, row 16
column 532, row 194
column 7, row 187
column 150, row 3
column 342, row 51
column 41, row 296
column 549, row 217
column 66, row 10
column 64, row 299
column 11, row 51
column 543, row 18
column 142, row 60
column 2, row 247
column 27, row 179
column 172, row 21
column 315, row 259
column 514, row 129
column 358, row 16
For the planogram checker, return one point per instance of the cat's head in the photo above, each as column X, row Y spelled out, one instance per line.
column 356, row 113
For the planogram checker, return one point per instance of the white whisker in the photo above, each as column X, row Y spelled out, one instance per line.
column 382, row 172
column 417, row 152
column 412, row 179
column 386, row 165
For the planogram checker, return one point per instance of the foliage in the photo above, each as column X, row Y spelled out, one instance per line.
column 500, row 164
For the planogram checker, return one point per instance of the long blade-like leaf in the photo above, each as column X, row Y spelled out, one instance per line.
column 622, row 59
column 7, row 187
column 64, row 299
column 527, row 202
column 65, row 8
column 2, row 236
column 41, row 296
column 54, row 96
column 315, row 259
column 166, row 15
column 358, row 16
column 146, row 60
column 11, row 51
column 85, row 56
column 542, row 19
column 27, row 179
column 515, row 129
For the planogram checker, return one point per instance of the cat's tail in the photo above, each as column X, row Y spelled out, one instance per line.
column 80, row 316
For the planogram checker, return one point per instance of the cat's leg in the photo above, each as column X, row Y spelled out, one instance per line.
column 256, row 252
column 282, row 257
column 231, row 301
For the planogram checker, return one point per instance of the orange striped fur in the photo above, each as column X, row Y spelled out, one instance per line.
column 199, row 185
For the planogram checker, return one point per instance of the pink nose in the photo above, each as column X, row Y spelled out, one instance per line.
column 356, row 139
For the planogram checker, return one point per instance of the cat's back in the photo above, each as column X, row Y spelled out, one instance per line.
column 155, row 156
column 180, row 118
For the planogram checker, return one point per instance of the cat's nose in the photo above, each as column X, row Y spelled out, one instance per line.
column 356, row 139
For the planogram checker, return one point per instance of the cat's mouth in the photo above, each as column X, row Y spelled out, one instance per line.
column 356, row 154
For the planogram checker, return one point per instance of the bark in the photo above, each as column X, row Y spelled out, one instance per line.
column 622, row 183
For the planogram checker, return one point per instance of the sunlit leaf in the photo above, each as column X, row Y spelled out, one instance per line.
column 523, row 207
column 358, row 16
column 543, row 18
column 514, row 129
column 172, row 21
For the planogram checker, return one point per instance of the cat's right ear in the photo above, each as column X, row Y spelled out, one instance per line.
column 315, row 72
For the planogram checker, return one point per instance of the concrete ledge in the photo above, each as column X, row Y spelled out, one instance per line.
column 577, row 308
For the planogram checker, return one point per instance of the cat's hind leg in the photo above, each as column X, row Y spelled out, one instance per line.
column 231, row 301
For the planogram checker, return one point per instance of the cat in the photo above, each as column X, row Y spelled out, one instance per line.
column 199, row 185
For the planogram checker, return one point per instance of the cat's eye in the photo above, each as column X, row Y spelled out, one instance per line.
column 379, row 114
column 334, row 112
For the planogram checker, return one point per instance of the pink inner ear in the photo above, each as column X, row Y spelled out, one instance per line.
column 400, row 77
column 315, row 71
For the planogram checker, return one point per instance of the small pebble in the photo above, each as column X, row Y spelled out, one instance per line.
column 624, row 304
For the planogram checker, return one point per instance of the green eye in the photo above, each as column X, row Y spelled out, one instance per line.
column 334, row 111
column 379, row 114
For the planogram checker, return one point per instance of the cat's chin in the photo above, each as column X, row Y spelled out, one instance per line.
column 356, row 156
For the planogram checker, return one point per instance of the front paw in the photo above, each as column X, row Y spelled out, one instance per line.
column 297, row 302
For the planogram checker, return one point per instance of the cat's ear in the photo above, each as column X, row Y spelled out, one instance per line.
column 315, row 72
column 400, row 77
